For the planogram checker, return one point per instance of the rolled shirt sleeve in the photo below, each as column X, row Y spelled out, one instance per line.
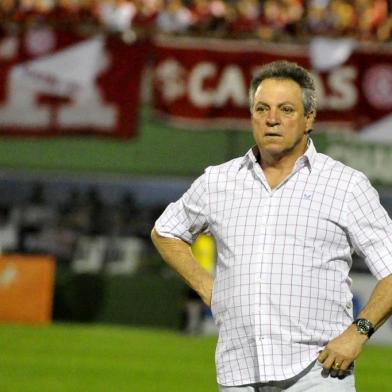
column 370, row 228
column 187, row 217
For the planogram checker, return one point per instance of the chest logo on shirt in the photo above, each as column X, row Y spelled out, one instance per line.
column 307, row 196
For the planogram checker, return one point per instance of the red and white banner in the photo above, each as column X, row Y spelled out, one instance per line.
column 58, row 83
column 203, row 83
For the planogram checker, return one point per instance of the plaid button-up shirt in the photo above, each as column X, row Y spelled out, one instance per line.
column 282, row 286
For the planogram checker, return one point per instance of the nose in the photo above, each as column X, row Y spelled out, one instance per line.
column 272, row 118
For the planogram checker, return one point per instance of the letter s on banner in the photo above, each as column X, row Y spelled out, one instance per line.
column 342, row 83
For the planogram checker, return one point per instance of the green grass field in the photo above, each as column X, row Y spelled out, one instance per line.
column 69, row 357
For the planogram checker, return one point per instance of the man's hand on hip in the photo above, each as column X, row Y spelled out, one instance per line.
column 340, row 353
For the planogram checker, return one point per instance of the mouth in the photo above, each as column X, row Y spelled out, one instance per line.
column 273, row 134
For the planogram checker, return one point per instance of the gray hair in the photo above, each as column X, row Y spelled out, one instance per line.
column 286, row 70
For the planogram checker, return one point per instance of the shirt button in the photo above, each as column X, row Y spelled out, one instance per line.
column 349, row 305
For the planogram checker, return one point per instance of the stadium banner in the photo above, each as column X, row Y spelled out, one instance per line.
column 61, row 83
column 203, row 83
column 26, row 288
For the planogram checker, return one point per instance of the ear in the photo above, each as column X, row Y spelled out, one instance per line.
column 309, row 121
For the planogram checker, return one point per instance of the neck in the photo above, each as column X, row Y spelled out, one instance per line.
column 283, row 161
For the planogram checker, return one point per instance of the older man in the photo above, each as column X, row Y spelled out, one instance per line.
column 286, row 220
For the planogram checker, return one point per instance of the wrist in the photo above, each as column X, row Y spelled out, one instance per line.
column 206, row 292
column 364, row 327
column 357, row 336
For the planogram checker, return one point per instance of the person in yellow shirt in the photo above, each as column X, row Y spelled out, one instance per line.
column 196, row 313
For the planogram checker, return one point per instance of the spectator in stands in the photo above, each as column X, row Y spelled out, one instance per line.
column 371, row 16
column 7, row 7
column 344, row 18
column 7, row 10
column 273, row 20
column 218, row 18
column 144, row 22
column 65, row 13
column 319, row 20
column 117, row 15
column 175, row 17
column 384, row 32
column 295, row 12
column 26, row 11
column 247, row 19
column 201, row 15
column 269, row 19
column 44, row 7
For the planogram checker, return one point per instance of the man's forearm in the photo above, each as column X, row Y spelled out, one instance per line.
column 379, row 306
column 345, row 348
column 178, row 254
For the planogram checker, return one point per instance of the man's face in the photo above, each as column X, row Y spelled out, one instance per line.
column 278, row 120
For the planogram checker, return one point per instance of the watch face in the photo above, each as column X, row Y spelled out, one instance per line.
column 364, row 326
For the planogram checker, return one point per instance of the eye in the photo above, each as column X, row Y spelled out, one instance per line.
column 287, row 109
column 261, row 109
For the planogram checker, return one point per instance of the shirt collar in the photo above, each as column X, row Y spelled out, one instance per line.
column 309, row 157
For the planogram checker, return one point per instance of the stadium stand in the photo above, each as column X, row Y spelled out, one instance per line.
column 287, row 20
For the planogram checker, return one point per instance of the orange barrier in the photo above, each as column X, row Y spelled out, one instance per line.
column 26, row 288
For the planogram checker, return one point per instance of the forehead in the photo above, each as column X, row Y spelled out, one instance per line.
column 282, row 90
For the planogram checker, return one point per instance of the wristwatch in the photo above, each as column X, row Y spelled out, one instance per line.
column 365, row 327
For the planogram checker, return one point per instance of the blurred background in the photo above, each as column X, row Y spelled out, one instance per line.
column 110, row 109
